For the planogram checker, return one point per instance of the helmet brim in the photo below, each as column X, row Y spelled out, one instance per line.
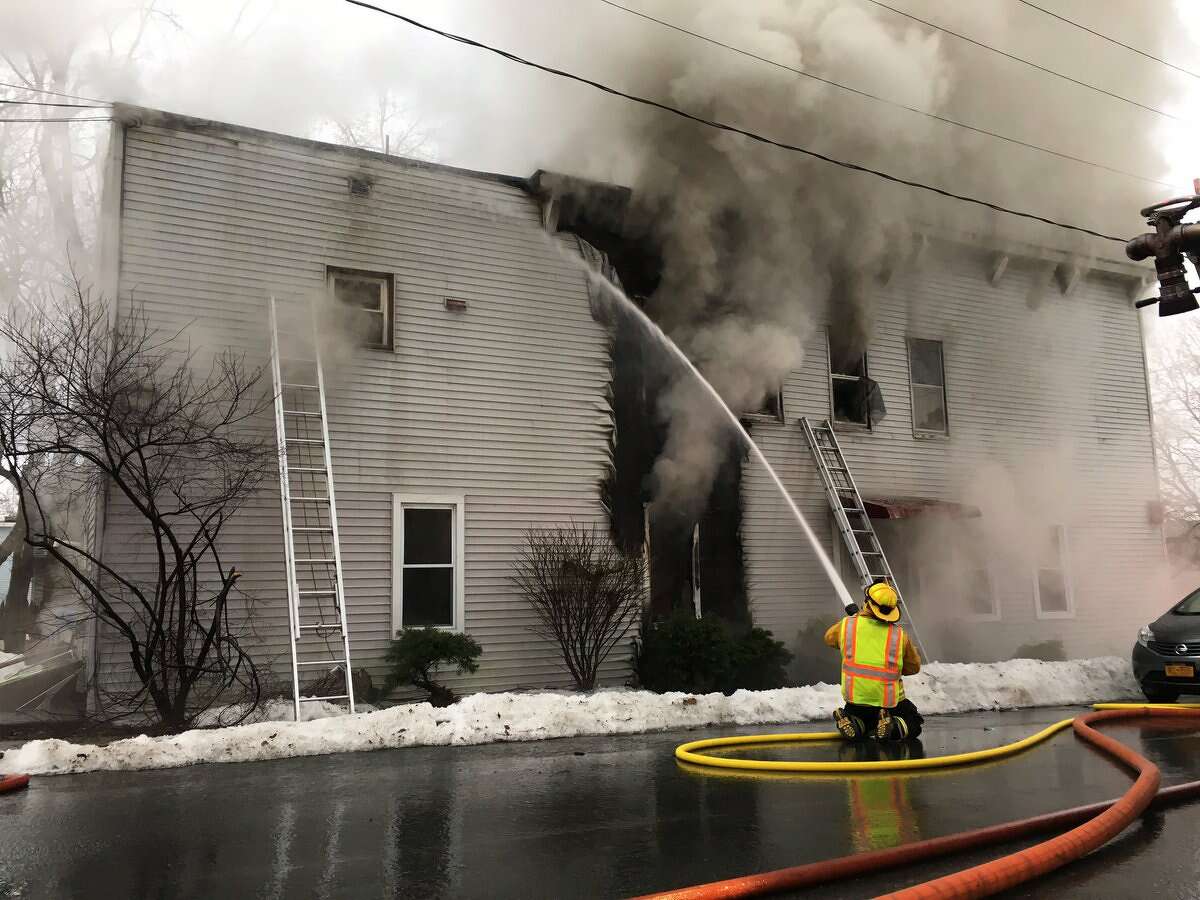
column 887, row 615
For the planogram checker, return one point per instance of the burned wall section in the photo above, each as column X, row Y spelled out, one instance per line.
column 643, row 373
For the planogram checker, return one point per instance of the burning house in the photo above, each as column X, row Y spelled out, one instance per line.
column 990, row 402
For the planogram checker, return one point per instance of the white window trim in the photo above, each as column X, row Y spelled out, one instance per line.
column 913, row 383
column 1064, row 560
column 387, row 289
column 455, row 502
column 833, row 419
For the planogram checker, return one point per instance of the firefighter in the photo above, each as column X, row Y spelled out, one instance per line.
column 876, row 652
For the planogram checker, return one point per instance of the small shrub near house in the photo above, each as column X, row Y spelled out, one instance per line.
column 699, row 656
column 816, row 663
column 1048, row 651
column 418, row 654
column 586, row 594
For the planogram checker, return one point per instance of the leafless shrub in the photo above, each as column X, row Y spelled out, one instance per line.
column 585, row 592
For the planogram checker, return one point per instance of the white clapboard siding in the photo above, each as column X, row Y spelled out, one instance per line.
column 1031, row 375
column 504, row 403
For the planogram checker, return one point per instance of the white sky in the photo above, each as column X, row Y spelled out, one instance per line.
column 287, row 65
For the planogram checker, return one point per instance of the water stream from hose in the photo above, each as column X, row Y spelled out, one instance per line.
column 607, row 286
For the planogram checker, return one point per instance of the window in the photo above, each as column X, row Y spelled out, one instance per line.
column 927, row 375
column 855, row 397
column 771, row 406
column 1052, row 580
column 369, row 298
column 427, row 562
column 980, row 591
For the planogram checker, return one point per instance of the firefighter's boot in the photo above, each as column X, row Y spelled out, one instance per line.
column 852, row 727
column 890, row 728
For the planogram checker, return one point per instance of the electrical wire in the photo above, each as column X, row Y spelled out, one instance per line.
column 5, row 121
column 1023, row 61
column 733, row 129
column 861, row 93
column 37, row 90
column 1111, row 40
column 46, row 103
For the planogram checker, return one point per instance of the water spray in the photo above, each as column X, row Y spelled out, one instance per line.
column 599, row 280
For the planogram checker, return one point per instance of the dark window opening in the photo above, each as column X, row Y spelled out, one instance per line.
column 368, row 299
column 428, row 564
column 927, row 375
column 1053, row 580
column 772, row 405
column 857, row 399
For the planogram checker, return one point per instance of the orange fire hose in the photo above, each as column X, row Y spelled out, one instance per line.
column 1101, row 822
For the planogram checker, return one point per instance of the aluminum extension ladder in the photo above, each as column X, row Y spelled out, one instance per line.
column 858, row 534
column 312, row 551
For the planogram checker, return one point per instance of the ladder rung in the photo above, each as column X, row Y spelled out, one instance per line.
column 317, row 593
column 330, row 697
column 323, row 662
column 304, row 440
column 299, row 412
column 311, row 528
column 869, row 552
column 310, row 562
column 310, row 387
column 320, row 469
column 310, row 499
column 332, row 626
column 861, row 531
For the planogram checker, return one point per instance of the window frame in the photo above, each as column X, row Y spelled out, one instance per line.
column 763, row 415
column 457, row 504
column 1064, row 560
column 913, row 384
column 389, row 299
column 866, row 368
column 989, row 575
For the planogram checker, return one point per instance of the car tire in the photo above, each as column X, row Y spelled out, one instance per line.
column 1160, row 695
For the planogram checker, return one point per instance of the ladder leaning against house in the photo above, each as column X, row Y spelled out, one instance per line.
column 320, row 641
column 850, row 513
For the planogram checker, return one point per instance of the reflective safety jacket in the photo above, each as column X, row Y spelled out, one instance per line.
column 872, row 660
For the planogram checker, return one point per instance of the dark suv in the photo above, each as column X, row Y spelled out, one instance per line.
column 1166, row 657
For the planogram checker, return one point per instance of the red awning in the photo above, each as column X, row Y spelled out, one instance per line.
column 907, row 507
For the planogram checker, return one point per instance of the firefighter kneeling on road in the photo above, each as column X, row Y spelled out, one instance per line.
column 876, row 652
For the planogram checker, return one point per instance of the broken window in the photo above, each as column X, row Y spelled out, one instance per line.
column 367, row 298
column 927, row 375
column 1052, row 583
column 429, row 563
column 772, row 405
column 856, row 397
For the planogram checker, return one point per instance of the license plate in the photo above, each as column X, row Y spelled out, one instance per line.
column 1181, row 671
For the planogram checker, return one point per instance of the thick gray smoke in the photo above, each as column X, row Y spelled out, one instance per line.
column 757, row 243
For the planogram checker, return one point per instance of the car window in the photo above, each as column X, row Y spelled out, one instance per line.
column 1189, row 606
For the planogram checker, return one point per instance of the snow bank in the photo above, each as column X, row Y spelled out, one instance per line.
column 484, row 718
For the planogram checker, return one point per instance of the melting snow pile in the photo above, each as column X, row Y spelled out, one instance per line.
column 485, row 718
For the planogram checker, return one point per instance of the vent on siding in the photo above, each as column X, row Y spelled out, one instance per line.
column 360, row 186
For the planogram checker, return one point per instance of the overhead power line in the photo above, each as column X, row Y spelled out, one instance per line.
column 1026, row 62
column 1111, row 40
column 783, row 145
column 4, row 120
column 861, row 93
column 45, row 103
column 38, row 90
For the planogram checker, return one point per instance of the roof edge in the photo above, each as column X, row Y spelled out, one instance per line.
column 132, row 116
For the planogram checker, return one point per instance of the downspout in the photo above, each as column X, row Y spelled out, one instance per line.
column 1142, row 343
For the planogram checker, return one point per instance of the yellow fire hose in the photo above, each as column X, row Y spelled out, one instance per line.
column 694, row 753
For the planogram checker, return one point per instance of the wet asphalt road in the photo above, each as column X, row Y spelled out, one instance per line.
column 593, row 817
